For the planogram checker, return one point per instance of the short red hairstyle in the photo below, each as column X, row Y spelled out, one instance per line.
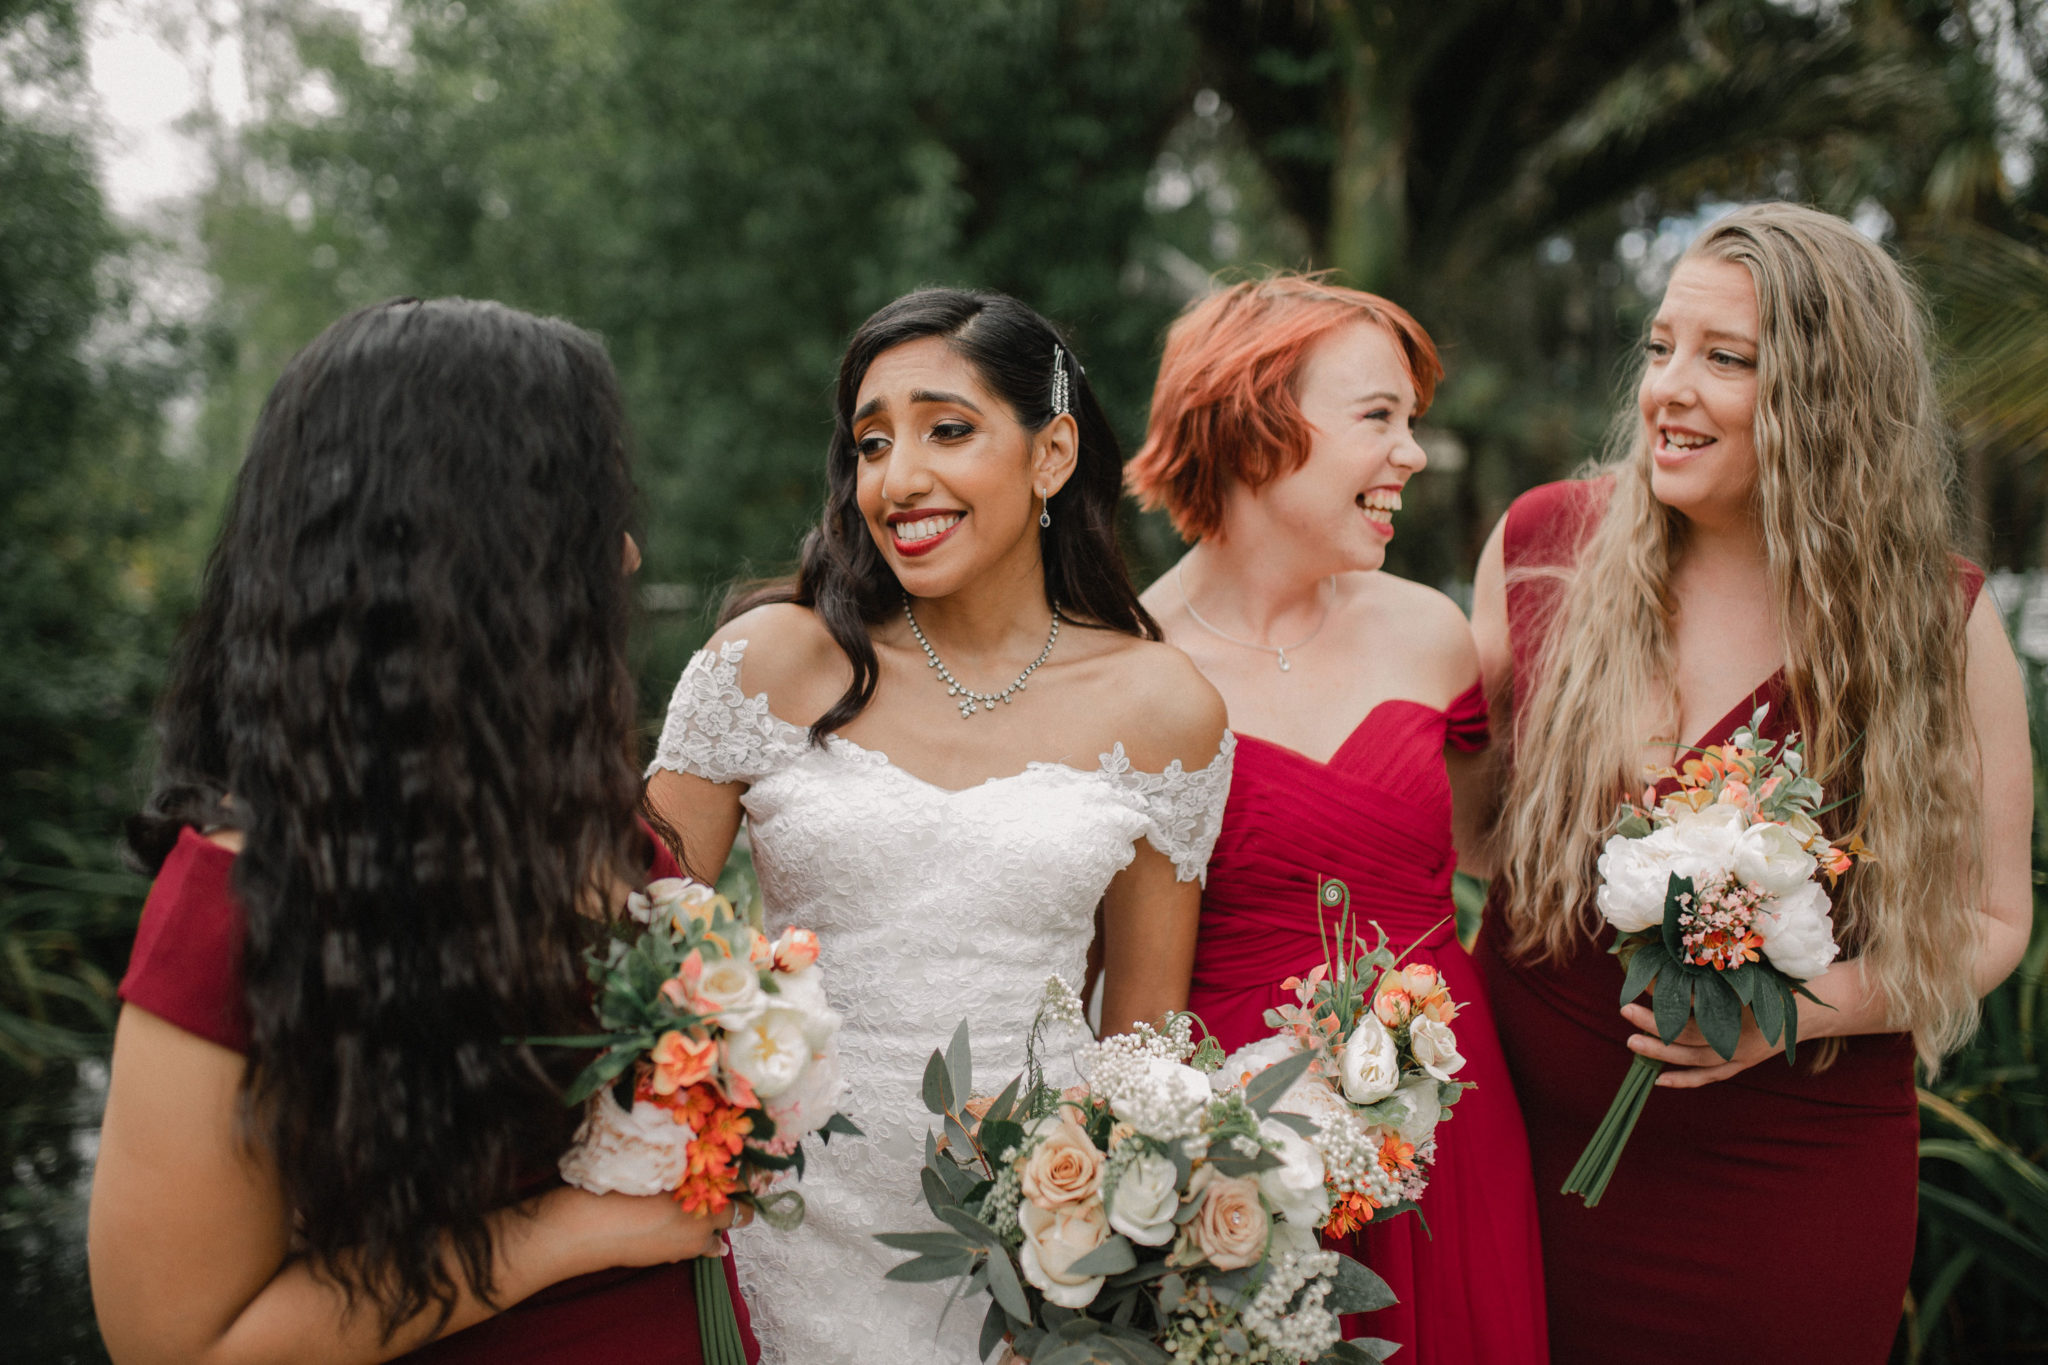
column 1224, row 407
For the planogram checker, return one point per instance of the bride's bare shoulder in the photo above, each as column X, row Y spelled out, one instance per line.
column 788, row 654
column 1161, row 706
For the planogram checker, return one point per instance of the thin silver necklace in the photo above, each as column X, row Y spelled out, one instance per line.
column 1281, row 650
column 969, row 698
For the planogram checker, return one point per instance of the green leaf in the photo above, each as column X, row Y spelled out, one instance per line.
column 999, row 1136
column 936, row 1195
column 2019, row 1258
column 1767, row 1003
column 1673, row 1001
column 1359, row 1351
column 1674, row 906
column 1395, row 1210
column 1300, row 1123
column 1358, row 1289
column 1742, row 980
column 1643, row 969
column 1264, row 1090
column 1719, row 1012
column 1007, row 1288
column 839, row 1123
column 927, row 1242
column 960, row 1064
column 1005, row 1106
column 1113, row 1257
column 1789, row 1008
column 938, row 1085
column 607, row 1068
column 927, row 1268
column 994, row 1326
column 782, row 1210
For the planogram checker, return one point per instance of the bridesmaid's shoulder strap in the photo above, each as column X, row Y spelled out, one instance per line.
column 1969, row 580
column 716, row 731
column 1465, row 727
column 1547, row 525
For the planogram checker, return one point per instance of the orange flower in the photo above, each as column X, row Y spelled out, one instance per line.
column 1352, row 1212
column 681, row 989
column 1440, row 1006
column 681, row 1060
column 1396, row 1156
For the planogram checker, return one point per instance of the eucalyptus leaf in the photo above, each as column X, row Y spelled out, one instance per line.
column 995, row 1325
column 923, row 1242
column 930, row 1267
column 1264, row 1090
column 938, row 1085
column 936, row 1195
column 1300, row 1123
column 960, row 1064
column 1358, row 1289
column 1113, row 1257
column 1005, row 1106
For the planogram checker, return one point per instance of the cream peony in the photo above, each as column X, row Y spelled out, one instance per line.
column 1798, row 932
column 1435, row 1048
column 1230, row 1227
column 1413, row 1110
column 1773, row 859
column 803, row 1108
column 1295, row 1187
column 1634, row 874
column 804, row 992
column 1371, row 1063
column 769, row 1053
column 619, row 1151
column 1056, row 1238
column 1249, row 1060
column 1064, row 1168
column 1145, row 1199
column 677, row 898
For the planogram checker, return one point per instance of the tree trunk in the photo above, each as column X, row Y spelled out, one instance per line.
column 1368, row 236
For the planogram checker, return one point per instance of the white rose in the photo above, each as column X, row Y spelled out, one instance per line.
column 1772, row 859
column 770, row 1053
column 732, row 987
column 1294, row 1237
column 803, row 1108
column 1635, row 873
column 1798, row 933
column 617, row 1151
column 677, row 898
column 1372, row 1066
column 1168, row 1103
column 1056, row 1238
column 804, row 992
column 1295, row 1187
column 1249, row 1060
column 1435, row 1048
column 1145, row 1199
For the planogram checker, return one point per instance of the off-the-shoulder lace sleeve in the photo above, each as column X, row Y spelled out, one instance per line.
column 1183, row 810
column 717, row 732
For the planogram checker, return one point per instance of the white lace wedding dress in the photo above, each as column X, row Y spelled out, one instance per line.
column 933, row 906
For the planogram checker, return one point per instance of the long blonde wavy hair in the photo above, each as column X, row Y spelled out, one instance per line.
column 1854, row 477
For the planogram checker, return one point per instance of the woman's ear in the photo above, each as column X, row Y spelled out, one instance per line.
column 1054, row 451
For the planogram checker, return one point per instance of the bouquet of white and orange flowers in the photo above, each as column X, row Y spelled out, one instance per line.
column 1380, row 1057
column 718, row 1060
column 1140, row 1217
column 1716, row 894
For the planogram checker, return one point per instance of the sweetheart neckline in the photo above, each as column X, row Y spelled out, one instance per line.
column 1356, row 730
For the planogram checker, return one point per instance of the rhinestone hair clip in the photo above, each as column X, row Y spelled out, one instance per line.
column 1061, row 396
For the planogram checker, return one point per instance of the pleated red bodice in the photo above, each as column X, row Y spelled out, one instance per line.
column 1378, row 817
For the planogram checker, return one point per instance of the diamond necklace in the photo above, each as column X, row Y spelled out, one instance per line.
column 968, row 696
column 1281, row 650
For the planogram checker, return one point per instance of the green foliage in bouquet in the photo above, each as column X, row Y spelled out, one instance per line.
column 1149, row 1294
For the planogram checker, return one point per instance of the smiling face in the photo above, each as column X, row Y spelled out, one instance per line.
column 948, row 477
column 1698, row 393
column 1336, row 512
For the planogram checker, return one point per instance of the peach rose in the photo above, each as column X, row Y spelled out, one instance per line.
column 1064, row 1168
column 1394, row 1005
column 795, row 950
column 1056, row 1238
column 1230, row 1228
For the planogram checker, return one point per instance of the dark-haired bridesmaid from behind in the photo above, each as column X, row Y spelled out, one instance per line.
column 1282, row 434
column 396, row 799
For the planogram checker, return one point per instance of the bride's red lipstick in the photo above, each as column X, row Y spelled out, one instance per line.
column 912, row 549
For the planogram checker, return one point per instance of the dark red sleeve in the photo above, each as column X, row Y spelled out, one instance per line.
column 187, row 964
column 1970, row 578
column 1545, row 529
column 1465, row 720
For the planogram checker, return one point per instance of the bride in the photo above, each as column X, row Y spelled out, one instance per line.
column 950, row 845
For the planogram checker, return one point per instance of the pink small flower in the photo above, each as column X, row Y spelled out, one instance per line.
column 681, row 989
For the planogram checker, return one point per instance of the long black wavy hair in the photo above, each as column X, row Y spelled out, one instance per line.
column 406, row 684
column 842, row 575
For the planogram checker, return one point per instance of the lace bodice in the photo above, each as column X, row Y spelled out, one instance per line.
column 932, row 906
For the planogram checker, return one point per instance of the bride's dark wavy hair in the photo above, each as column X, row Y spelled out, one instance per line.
column 406, row 684
column 842, row 575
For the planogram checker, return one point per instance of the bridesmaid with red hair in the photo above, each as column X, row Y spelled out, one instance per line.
column 1281, row 436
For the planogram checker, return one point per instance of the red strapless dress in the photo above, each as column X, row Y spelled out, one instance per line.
column 1378, row 816
column 1767, row 1217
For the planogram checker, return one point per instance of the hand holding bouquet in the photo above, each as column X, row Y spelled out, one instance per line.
column 1716, row 897
column 1139, row 1218
column 1381, row 1057
column 718, row 1060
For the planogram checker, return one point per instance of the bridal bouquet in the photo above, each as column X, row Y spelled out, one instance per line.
column 1715, row 893
column 718, row 1060
column 1140, row 1218
column 1375, row 1076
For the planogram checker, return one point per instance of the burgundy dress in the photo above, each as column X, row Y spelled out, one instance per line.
column 1765, row 1217
column 1378, row 816
column 186, row 970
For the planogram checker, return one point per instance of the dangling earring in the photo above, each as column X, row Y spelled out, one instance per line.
column 1044, row 509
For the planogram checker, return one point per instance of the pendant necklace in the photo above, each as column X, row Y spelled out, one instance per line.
column 1280, row 650
column 969, row 698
